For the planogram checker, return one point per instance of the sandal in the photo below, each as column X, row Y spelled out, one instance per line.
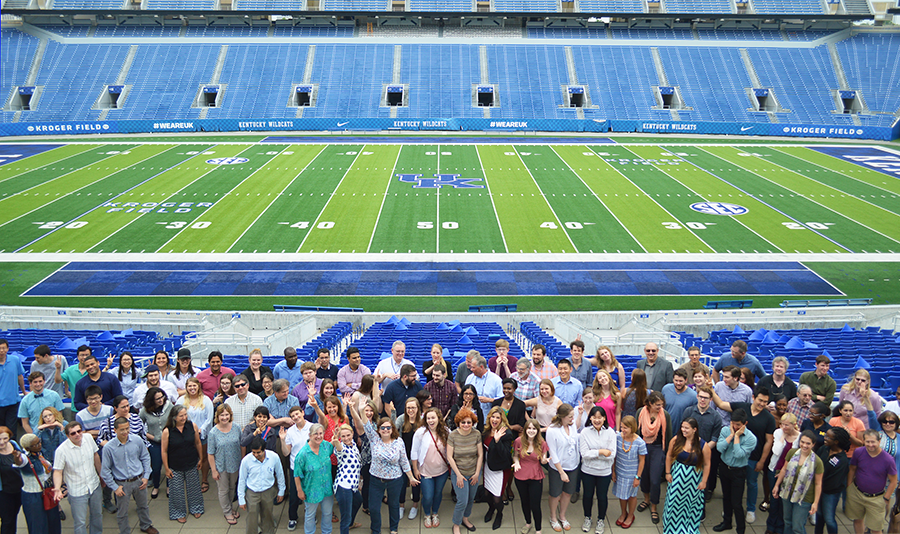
column 555, row 526
column 643, row 506
column 182, row 520
column 198, row 516
column 355, row 525
column 230, row 519
column 236, row 514
column 764, row 506
column 204, row 487
column 654, row 516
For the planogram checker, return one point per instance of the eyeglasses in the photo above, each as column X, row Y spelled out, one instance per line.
column 465, row 422
column 889, row 422
column 75, row 432
column 386, row 427
column 861, row 380
column 702, row 398
column 242, row 384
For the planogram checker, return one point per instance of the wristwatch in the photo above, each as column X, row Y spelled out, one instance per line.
column 637, row 477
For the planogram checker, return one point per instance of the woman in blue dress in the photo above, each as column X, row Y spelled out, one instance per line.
column 631, row 452
column 687, row 469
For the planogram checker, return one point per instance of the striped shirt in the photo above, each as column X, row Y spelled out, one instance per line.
column 136, row 427
column 77, row 464
column 243, row 410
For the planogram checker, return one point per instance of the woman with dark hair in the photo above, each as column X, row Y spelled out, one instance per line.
column 366, row 392
column 260, row 427
column 468, row 398
column 687, row 470
column 429, row 464
column 748, row 378
column 423, row 397
column 327, row 389
column 408, row 422
column 655, row 428
column 389, row 464
column 562, row 439
column 834, row 479
column 890, row 441
column 154, row 414
column 498, row 439
column 598, row 453
column 465, row 455
column 183, row 370
column 843, row 417
column 530, row 453
column 819, row 414
column 127, row 373
column 12, row 459
column 369, row 413
column 268, row 383
column 226, row 389
column 122, row 408
column 161, row 360
column 636, row 395
column 181, row 459
column 800, row 484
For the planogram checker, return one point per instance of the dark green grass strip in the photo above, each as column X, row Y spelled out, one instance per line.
column 287, row 220
column 477, row 228
column 589, row 224
column 41, row 159
column 796, row 211
column 887, row 184
column 405, row 207
column 63, row 209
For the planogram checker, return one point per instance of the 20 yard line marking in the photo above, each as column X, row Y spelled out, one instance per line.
column 386, row 188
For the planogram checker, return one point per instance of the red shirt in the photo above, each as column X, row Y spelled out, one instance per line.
column 531, row 463
column 210, row 382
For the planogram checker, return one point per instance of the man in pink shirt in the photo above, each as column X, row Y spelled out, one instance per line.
column 209, row 377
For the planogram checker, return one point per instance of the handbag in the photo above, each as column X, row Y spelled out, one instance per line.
column 438, row 449
column 48, row 495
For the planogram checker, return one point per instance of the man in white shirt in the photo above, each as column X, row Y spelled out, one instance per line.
column 153, row 380
column 78, row 463
column 488, row 385
column 292, row 440
column 388, row 369
column 244, row 403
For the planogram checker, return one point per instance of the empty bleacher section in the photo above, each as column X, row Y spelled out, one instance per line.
column 698, row 6
column 313, row 31
column 350, row 77
column 354, row 5
column 135, row 31
column 526, row 5
column 665, row 34
column 871, row 67
column 88, row 4
column 440, row 5
column 805, row 7
column 16, row 52
column 286, row 5
column 68, row 31
column 453, row 68
column 529, row 78
column 619, row 79
column 740, row 35
column 567, row 32
column 178, row 5
column 611, row 6
column 225, row 31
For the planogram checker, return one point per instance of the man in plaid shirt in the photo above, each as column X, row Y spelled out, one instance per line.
column 528, row 384
column 542, row 367
column 800, row 405
column 443, row 392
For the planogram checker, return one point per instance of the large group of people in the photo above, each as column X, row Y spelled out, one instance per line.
column 343, row 440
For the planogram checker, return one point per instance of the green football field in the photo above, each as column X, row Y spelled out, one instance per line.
column 492, row 198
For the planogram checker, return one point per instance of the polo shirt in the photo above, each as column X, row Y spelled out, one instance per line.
column 77, row 465
column 10, row 371
column 331, row 372
column 397, row 393
column 760, row 425
column 820, row 432
column 33, row 404
column 71, row 376
column 108, row 383
column 749, row 361
column 209, row 382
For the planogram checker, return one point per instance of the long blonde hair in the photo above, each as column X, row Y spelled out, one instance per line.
column 613, row 362
column 851, row 380
column 197, row 401
column 598, row 389
column 487, row 424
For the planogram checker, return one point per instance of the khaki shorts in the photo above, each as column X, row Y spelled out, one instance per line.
column 870, row 509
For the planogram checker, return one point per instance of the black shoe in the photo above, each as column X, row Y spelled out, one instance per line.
column 707, row 495
column 489, row 515
column 453, row 496
column 497, row 521
column 62, row 515
column 721, row 527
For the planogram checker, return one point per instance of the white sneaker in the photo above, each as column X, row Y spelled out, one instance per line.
column 586, row 526
column 600, row 527
column 402, row 509
column 413, row 512
column 751, row 517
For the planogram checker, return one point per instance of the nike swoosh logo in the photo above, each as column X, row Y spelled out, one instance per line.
column 343, row 123
column 745, row 128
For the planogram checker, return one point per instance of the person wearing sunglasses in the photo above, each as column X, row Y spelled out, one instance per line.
column 243, row 403
column 77, row 463
column 858, row 391
column 890, row 442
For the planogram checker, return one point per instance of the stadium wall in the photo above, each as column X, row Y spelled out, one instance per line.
column 879, row 133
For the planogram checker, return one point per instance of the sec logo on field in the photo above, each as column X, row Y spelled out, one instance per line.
column 718, row 208
column 227, row 161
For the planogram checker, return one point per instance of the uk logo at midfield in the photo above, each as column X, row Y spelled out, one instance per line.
column 227, row 161
column 718, row 208
column 439, row 181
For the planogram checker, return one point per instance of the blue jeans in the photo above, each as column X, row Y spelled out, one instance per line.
column 376, row 492
column 752, row 485
column 795, row 516
column 432, row 491
column 825, row 513
column 155, row 450
column 775, row 522
column 90, row 503
column 40, row 521
column 309, row 519
column 348, row 502
column 465, row 497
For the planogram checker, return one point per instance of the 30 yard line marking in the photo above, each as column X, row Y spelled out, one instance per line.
column 598, row 198
column 558, row 220
column 262, row 165
column 674, row 218
column 338, row 186
column 277, row 196
column 491, row 196
column 384, row 197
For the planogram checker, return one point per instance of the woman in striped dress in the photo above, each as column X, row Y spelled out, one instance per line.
column 631, row 452
column 687, row 469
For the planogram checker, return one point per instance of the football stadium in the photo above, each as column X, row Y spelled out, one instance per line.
column 275, row 187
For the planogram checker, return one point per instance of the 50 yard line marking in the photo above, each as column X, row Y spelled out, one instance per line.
column 386, row 188
column 294, row 179
column 338, row 186
column 616, row 217
column 179, row 232
column 490, row 196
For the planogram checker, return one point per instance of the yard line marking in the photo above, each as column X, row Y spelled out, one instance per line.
column 88, row 185
column 383, row 198
column 437, row 217
column 276, row 196
column 491, row 196
column 14, row 195
column 558, row 220
column 598, row 198
column 691, row 231
column 179, row 232
column 42, row 166
column 338, row 186
column 105, row 201
column 855, row 179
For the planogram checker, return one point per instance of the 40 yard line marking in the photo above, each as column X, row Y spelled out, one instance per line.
column 616, row 217
column 294, row 179
column 178, row 233
column 490, row 196
column 338, row 186
column 558, row 220
column 383, row 198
